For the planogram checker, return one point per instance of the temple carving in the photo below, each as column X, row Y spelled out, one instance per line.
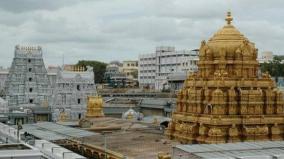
column 228, row 99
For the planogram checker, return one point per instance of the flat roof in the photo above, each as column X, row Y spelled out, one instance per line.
column 53, row 131
column 18, row 150
column 14, row 147
column 263, row 149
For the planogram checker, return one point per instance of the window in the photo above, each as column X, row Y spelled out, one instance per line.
column 30, row 69
column 78, row 87
column 30, row 79
column 29, row 60
column 31, row 89
column 31, row 101
column 78, row 101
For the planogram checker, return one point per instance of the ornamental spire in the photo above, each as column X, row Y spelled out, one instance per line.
column 229, row 18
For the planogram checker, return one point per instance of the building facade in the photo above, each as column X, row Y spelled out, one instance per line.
column 113, row 69
column 265, row 57
column 130, row 69
column 72, row 88
column 121, row 75
column 154, row 69
column 147, row 70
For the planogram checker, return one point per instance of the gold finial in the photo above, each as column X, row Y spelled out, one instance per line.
column 229, row 18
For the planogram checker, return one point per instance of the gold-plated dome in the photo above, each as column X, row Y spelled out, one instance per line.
column 227, row 37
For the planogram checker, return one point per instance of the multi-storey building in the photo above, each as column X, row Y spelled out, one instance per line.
column 121, row 74
column 154, row 69
column 73, row 86
column 27, row 83
column 130, row 69
column 113, row 69
column 147, row 70
column 265, row 57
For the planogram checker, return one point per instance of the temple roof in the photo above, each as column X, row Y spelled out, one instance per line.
column 228, row 33
column 228, row 37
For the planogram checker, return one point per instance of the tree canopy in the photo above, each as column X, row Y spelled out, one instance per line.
column 275, row 68
column 98, row 67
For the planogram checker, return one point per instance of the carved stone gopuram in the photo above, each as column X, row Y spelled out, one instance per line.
column 228, row 99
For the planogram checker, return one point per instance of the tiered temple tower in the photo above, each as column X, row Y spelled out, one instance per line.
column 27, row 83
column 228, row 99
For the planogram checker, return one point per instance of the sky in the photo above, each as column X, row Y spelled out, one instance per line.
column 107, row 30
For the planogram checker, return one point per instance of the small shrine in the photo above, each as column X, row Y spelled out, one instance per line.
column 228, row 99
column 94, row 107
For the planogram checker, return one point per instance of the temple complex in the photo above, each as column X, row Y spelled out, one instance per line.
column 228, row 99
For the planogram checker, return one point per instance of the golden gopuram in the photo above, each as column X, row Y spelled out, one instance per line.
column 94, row 107
column 228, row 99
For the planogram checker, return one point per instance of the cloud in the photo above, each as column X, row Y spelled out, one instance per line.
column 19, row 6
column 116, row 30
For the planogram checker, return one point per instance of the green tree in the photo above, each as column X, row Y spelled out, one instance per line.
column 98, row 67
column 135, row 74
column 275, row 68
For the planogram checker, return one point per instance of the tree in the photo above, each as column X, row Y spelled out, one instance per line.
column 134, row 74
column 98, row 67
column 275, row 68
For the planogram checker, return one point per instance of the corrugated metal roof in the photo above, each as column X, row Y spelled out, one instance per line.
column 53, row 131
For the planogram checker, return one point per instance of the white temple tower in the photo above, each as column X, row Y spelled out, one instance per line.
column 27, row 83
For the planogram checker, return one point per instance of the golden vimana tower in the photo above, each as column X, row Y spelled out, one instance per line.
column 228, row 99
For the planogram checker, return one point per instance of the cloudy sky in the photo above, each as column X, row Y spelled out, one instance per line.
column 107, row 30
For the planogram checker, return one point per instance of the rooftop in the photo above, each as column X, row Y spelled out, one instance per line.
column 19, row 151
column 53, row 131
column 244, row 150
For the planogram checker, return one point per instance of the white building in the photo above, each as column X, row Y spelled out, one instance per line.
column 265, row 57
column 155, row 68
column 147, row 70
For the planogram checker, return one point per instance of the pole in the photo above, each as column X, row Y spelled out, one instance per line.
column 104, row 133
column 105, row 146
